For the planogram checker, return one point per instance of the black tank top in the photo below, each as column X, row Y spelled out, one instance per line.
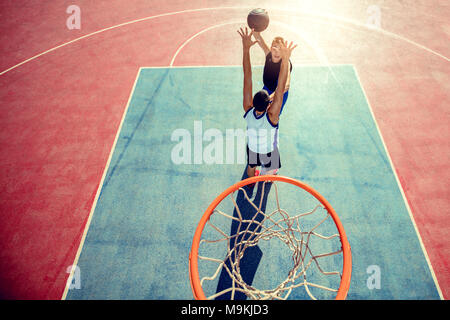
column 271, row 72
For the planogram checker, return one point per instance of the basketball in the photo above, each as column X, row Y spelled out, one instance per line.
column 258, row 19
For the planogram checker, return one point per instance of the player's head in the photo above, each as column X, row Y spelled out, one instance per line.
column 275, row 48
column 261, row 100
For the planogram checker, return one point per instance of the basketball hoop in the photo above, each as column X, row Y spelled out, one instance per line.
column 263, row 226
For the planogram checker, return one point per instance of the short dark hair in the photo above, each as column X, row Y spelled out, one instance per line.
column 261, row 100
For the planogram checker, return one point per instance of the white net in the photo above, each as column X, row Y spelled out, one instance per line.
column 301, row 250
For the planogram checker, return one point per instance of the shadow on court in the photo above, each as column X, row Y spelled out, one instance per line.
column 248, row 264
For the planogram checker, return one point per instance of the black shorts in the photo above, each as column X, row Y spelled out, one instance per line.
column 270, row 161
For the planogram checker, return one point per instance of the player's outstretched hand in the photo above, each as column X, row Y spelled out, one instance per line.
column 247, row 41
column 286, row 49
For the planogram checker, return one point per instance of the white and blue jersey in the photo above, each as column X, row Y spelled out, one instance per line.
column 262, row 134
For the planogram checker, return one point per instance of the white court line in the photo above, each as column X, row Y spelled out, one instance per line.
column 100, row 186
column 312, row 64
column 111, row 28
column 401, row 188
column 380, row 30
column 196, row 35
column 290, row 10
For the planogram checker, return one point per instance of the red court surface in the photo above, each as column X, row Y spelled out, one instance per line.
column 61, row 110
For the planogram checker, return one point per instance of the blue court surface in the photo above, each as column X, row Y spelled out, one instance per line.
column 158, row 185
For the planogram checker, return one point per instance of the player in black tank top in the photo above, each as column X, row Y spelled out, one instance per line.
column 271, row 72
column 272, row 66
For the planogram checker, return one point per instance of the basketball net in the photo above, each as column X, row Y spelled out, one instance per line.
column 264, row 226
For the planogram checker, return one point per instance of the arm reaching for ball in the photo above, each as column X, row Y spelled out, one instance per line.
column 247, row 43
column 275, row 107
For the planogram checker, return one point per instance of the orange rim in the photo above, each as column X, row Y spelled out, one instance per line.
column 194, row 276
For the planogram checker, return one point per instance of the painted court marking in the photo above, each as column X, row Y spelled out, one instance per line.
column 196, row 35
column 400, row 187
column 324, row 16
column 69, row 281
column 86, row 228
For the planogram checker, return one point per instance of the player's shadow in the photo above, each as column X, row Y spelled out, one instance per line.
column 252, row 255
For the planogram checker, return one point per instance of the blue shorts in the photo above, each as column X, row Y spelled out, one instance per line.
column 285, row 97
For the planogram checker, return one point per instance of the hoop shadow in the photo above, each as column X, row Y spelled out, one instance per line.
column 252, row 255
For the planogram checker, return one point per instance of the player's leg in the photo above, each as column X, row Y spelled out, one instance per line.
column 271, row 162
column 252, row 162
column 251, row 171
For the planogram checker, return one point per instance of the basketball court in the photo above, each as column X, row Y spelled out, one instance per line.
column 117, row 136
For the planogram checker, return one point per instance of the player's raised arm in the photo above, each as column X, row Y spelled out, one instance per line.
column 261, row 42
column 247, row 43
column 274, row 110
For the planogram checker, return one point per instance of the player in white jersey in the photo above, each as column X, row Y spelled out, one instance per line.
column 261, row 114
